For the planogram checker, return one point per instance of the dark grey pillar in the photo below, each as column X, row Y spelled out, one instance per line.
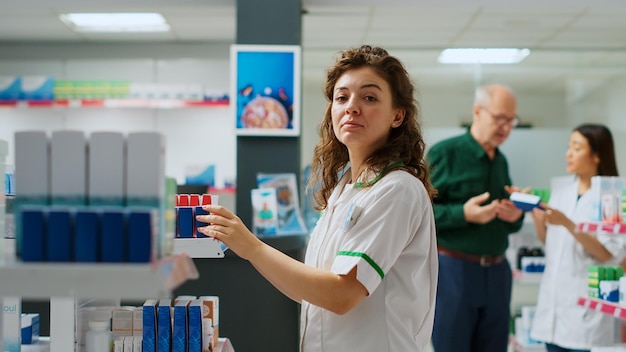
column 272, row 22
column 253, row 314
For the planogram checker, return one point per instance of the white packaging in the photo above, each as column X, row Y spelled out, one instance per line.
column 11, row 324
column 3, row 153
column 145, row 172
column 128, row 344
column 68, row 167
column 622, row 291
column 118, row 344
column 32, row 158
column 98, row 337
column 609, row 290
column 107, row 163
column 596, row 198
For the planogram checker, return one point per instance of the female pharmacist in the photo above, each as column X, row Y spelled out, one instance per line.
column 559, row 321
column 369, row 278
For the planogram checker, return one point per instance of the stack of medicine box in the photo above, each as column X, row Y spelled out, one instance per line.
column 599, row 274
column 607, row 193
column 96, row 199
column 191, row 324
column 187, row 207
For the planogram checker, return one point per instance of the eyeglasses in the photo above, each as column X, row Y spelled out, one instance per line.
column 502, row 120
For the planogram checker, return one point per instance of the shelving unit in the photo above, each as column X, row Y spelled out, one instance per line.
column 116, row 103
column 605, row 307
column 199, row 247
column 63, row 283
column 43, row 345
column 614, row 228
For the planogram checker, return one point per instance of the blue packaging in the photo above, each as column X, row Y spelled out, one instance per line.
column 60, row 230
column 179, row 334
column 185, row 222
column 164, row 325
column 34, row 234
column 10, row 88
column 149, row 334
column 30, row 328
column 37, row 88
column 113, row 239
column 140, row 236
column 200, row 211
column 194, row 343
column 86, row 236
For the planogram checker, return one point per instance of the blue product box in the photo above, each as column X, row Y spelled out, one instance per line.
column 34, row 236
column 140, row 236
column 200, row 211
column 10, row 88
column 164, row 325
column 194, row 343
column 185, row 222
column 30, row 328
column 60, row 230
column 525, row 201
column 113, row 239
column 179, row 335
column 149, row 317
column 37, row 88
column 87, row 236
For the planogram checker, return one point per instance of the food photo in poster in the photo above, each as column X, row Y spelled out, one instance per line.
column 266, row 89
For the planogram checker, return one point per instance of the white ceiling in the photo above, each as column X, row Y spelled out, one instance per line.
column 573, row 42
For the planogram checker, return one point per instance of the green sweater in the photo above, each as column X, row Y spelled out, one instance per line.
column 461, row 169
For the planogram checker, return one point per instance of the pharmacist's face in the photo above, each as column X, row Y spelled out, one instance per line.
column 580, row 159
column 362, row 111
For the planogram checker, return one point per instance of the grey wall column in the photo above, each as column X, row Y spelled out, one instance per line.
column 253, row 314
column 271, row 22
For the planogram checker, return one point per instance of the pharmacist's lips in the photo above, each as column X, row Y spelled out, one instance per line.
column 350, row 124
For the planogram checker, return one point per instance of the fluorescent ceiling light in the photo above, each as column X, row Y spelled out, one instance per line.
column 483, row 56
column 116, row 22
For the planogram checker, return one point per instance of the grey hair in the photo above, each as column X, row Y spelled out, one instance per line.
column 482, row 96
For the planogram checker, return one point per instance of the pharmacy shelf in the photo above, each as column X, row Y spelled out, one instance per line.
column 605, row 307
column 614, row 228
column 199, row 247
column 96, row 280
column 117, row 103
column 43, row 345
column 527, row 277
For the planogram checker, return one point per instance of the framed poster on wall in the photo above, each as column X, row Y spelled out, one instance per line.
column 265, row 89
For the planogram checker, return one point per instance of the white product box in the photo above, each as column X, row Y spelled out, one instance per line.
column 11, row 324
column 122, row 321
column 211, row 310
column 145, row 172
column 107, row 163
column 3, row 153
column 138, row 321
column 68, row 167
column 32, row 161
column 622, row 291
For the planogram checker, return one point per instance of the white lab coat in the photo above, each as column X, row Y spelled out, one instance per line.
column 387, row 232
column 558, row 319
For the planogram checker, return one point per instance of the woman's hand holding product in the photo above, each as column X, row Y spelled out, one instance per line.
column 228, row 228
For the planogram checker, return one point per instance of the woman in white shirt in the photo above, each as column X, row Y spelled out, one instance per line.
column 559, row 321
column 369, row 278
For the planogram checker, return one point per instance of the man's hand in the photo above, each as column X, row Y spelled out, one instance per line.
column 477, row 213
column 507, row 211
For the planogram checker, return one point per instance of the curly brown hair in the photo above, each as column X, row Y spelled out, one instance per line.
column 405, row 143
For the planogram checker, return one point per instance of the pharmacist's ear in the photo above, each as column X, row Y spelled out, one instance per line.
column 398, row 118
column 596, row 159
